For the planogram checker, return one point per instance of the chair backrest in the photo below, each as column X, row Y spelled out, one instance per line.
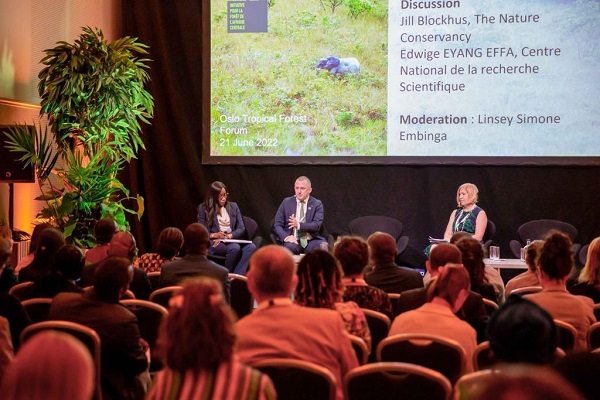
column 365, row 226
column 360, row 348
column 252, row 231
column 593, row 336
column 20, row 289
column 394, row 380
column 469, row 384
column 490, row 306
column 522, row 291
column 583, row 254
column 537, row 229
column 163, row 295
column 298, row 380
column 488, row 236
column 86, row 335
column 483, row 357
column 567, row 335
column 241, row 299
column 394, row 299
column 150, row 317
column 37, row 308
column 379, row 326
column 438, row 353
column 154, row 278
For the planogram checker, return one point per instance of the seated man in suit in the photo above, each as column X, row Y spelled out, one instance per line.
column 280, row 328
column 195, row 263
column 124, row 359
column 299, row 219
column 386, row 274
column 472, row 310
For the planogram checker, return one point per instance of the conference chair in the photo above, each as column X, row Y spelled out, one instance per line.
column 150, row 317
column 20, row 290
column 360, row 348
column 583, row 254
column 593, row 336
column 163, row 295
column 483, row 356
column 431, row 351
column 488, row 236
column 490, row 306
column 252, row 234
column 379, row 326
column 537, row 229
column 522, row 291
column 567, row 335
column 241, row 299
column 298, row 380
column 395, row 380
column 86, row 335
column 394, row 299
column 37, row 308
column 470, row 384
column 154, row 278
column 367, row 225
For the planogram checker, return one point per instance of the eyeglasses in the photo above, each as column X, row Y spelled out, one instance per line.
column 223, row 195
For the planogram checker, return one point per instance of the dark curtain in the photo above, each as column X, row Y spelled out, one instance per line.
column 171, row 177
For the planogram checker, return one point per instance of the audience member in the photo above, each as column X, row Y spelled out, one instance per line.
column 223, row 220
column 472, row 310
column 51, row 366
column 8, row 279
column 66, row 269
column 35, row 238
column 554, row 266
column 520, row 331
column 10, row 306
column 589, row 278
column 168, row 246
column 447, row 294
column 104, row 229
column 385, row 273
column 124, row 359
column 353, row 254
column 529, row 277
column 472, row 258
column 206, row 365
column 123, row 245
column 320, row 286
column 195, row 262
column 299, row 219
column 6, row 347
column 280, row 328
column 51, row 239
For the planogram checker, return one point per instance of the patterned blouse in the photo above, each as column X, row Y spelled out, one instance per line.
column 151, row 262
column 367, row 296
column 465, row 221
column 355, row 320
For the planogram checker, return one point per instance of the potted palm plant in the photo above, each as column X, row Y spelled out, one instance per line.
column 93, row 99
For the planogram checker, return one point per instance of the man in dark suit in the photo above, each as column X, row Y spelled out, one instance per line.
column 299, row 219
column 386, row 274
column 194, row 263
column 124, row 359
column 472, row 311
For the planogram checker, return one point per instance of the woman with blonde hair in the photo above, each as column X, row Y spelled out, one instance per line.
column 589, row 278
column 197, row 343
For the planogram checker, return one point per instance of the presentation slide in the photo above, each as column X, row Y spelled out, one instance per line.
column 397, row 81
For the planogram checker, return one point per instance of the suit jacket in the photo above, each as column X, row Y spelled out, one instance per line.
column 472, row 311
column 313, row 218
column 173, row 272
column 287, row 330
column 238, row 230
column 140, row 284
column 392, row 278
column 122, row 357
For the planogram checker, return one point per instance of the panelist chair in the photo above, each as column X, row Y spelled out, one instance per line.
column 537, row 229
column 367, row 225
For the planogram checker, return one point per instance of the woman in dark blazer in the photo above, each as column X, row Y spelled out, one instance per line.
column 223, row 220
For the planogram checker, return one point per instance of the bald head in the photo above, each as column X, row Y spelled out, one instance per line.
column 443, row 254
column 382, row 248
column 272, row 272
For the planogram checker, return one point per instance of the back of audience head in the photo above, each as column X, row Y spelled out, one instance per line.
column 123, row 244
column 104, row 230
column 382, row 248
column 69, row 262
column 196, row 239
column 532, row 253
column 451, row 285
column 556, row 256
column 272, row 272
column 51, row 239
column 443, row 254
column 51, row 365
column 200, row 318
column 353, row 254
column 170, row 241
column 591, row 270
column 520, row 331
column 458, row 236
column 319, row 280
column 35, row 236
column 112, row 278
column 472, row 258
column 5, row 252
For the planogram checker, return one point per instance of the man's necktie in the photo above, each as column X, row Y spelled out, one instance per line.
column 301, row 234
